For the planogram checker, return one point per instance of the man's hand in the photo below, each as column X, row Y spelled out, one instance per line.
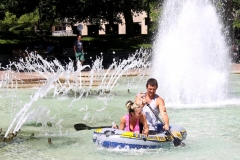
column 143, row 100
column 166, row 127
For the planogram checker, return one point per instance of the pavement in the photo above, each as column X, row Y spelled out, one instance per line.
column 235, row 68
column 33, row 79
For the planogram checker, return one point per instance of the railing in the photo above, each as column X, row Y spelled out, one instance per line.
column 63, row 33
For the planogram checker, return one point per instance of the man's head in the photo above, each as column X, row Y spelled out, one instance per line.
column 79, row 37
column 152, row 82
column 151, row 87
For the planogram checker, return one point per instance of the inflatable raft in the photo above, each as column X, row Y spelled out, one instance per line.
column 115, row 138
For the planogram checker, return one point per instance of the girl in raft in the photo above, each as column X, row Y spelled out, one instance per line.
column 135, row 120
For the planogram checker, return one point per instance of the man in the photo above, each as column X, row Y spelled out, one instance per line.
column 78, row 50
column 156, row 103
column 50, row 50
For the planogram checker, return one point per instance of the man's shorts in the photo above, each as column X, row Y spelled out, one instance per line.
column 79, row 56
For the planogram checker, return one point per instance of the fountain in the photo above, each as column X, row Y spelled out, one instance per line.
column 191, row 54
column 190, row 63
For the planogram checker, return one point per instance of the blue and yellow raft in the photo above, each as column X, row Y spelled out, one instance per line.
column 115, row 138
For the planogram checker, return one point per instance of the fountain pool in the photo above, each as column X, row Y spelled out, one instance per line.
column 46, row 114
column 212, row 128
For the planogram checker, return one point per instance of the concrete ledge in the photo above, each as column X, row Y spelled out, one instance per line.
column 33, row 79
column 235, row 68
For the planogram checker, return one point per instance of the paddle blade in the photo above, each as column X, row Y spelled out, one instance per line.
column 176, row 141
column 81, row 126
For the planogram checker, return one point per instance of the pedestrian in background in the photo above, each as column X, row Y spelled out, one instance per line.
column 78, row 50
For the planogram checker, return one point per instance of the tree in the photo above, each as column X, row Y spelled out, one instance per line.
column 9, row 21
column 228, row 19
column 89, row 11
column 19, row 7
column 236, row 16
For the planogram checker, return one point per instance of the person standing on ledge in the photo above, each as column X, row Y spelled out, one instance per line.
column 156, row 103
column 78, row 50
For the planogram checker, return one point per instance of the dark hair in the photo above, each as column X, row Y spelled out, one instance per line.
column 79, row 36
column 152, row 82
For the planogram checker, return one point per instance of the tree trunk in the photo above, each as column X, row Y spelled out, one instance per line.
column 51, row 24
column 110, row 16
column 128, row 18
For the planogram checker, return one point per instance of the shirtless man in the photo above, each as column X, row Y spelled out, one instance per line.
column 156, row 103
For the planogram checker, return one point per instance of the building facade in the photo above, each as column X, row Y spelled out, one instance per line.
column 88, row 29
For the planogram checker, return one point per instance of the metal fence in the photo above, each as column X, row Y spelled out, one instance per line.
column 63, row 33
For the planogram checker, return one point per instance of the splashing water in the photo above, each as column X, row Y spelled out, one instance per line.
column 190, row 54
column 61, row 80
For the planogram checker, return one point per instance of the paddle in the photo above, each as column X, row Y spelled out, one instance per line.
column 176, row 140
column 127, row 134
column 81, row 126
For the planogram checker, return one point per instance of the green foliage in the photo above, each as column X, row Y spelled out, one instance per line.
column 92, row 11
column 3, row 41
column 9, row 21
column 24, row 24
column 30, row 18
column 236, row 24
column 45, row 13
column 236, row 4
column 236, row 13
column 19, row 7
column 155, row 9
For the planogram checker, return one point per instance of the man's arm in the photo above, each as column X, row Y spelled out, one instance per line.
column 74, row 48
column 82, row 48
column 140, row 99
column 137, row 100
column 163, row 112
